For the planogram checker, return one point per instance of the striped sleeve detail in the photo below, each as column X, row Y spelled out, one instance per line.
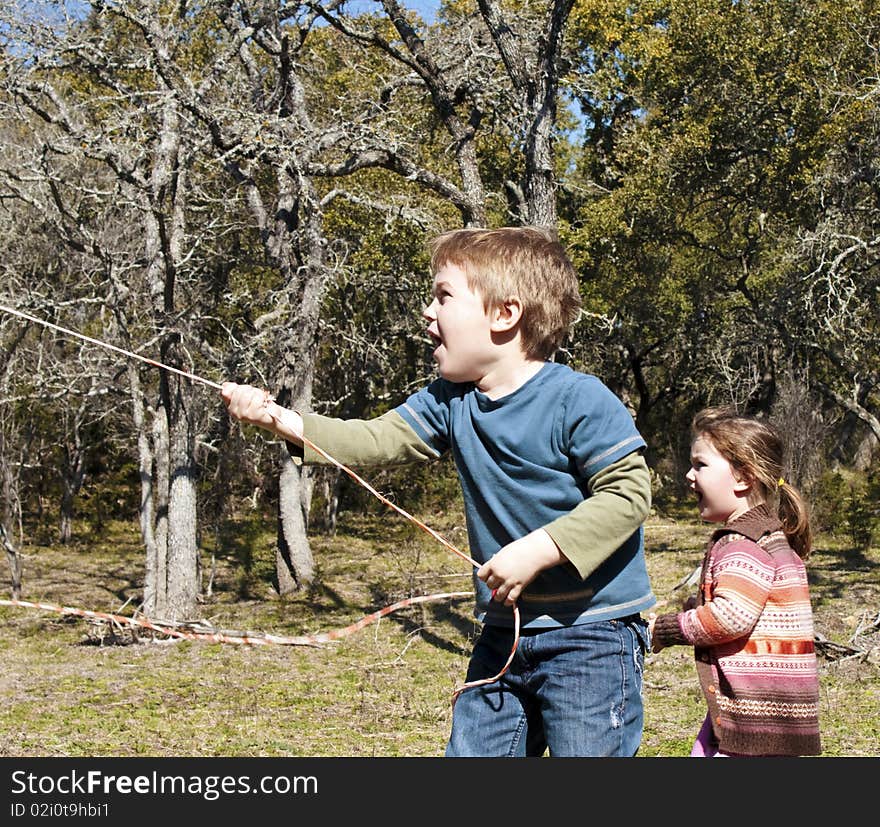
column 427, row 433
column 595, row 463
column 741, row 581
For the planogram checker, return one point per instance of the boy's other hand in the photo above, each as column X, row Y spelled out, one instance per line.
column 515, row 565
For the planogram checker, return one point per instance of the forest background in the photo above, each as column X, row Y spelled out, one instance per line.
column 244, row 190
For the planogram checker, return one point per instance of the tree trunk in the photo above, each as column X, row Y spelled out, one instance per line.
column 540, row 176
column 330, row 481
column 73, row 476
column 537, row 85
column 65, row 527
column 864, row 455
column 162, row 485
column 295, row 567
column 74, row 470
column 8, row 500
column 15, row 562
column 177, row 574
column 182, row 560
column 146, row 507
column 294, row 562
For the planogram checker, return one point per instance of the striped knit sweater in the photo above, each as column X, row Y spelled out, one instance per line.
column 752, row 634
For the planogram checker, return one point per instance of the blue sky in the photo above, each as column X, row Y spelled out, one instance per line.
column 426, row 8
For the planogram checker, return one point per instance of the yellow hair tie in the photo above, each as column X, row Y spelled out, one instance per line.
column 781, row 482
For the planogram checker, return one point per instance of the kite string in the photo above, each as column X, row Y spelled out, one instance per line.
column 108, row 346
column 195, row 378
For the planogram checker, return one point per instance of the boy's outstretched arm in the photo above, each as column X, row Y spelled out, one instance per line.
column 254, row 406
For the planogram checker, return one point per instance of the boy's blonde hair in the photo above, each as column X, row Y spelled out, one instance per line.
column 526, row 262
column 755, row 450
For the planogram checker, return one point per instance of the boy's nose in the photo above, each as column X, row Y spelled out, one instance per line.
column 430, row 312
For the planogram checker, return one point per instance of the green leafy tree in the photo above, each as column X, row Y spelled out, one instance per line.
column 709, row 127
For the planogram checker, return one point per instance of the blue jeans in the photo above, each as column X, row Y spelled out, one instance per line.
column 575, row 690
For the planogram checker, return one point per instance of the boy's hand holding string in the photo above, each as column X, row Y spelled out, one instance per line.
column 515, row 565
column 255, row 406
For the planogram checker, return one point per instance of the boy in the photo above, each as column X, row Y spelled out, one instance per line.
column 555, row 489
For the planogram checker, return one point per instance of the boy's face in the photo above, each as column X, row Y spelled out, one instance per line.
column 459, row 326
column 721, row 494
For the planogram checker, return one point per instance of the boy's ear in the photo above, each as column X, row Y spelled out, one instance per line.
column 506, row 315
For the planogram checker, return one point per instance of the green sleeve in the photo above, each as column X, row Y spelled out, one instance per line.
column 385, row 440
column 619, row 502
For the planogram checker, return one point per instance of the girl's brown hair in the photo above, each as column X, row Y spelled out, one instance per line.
column 526, row 262
column 755, row 450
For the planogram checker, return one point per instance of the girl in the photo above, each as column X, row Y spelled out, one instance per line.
column 752, row 625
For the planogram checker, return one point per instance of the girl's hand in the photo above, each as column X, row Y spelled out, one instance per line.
column 652, row 619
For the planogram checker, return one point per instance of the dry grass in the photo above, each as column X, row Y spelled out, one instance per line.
column 70, row 690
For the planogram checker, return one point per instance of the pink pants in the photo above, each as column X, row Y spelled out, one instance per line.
column 706, row 746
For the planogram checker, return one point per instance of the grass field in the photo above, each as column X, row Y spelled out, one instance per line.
column 74, row 687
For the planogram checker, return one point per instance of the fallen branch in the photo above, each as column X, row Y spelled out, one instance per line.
column 863, row 645
column 201, row 630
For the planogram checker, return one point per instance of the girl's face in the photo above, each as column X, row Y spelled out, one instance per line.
column 721, row 495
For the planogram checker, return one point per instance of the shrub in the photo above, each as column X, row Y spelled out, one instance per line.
column 829, row 497
column 846, row 504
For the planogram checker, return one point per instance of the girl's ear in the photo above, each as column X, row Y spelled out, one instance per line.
column 742, row 483
column 506, row 315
